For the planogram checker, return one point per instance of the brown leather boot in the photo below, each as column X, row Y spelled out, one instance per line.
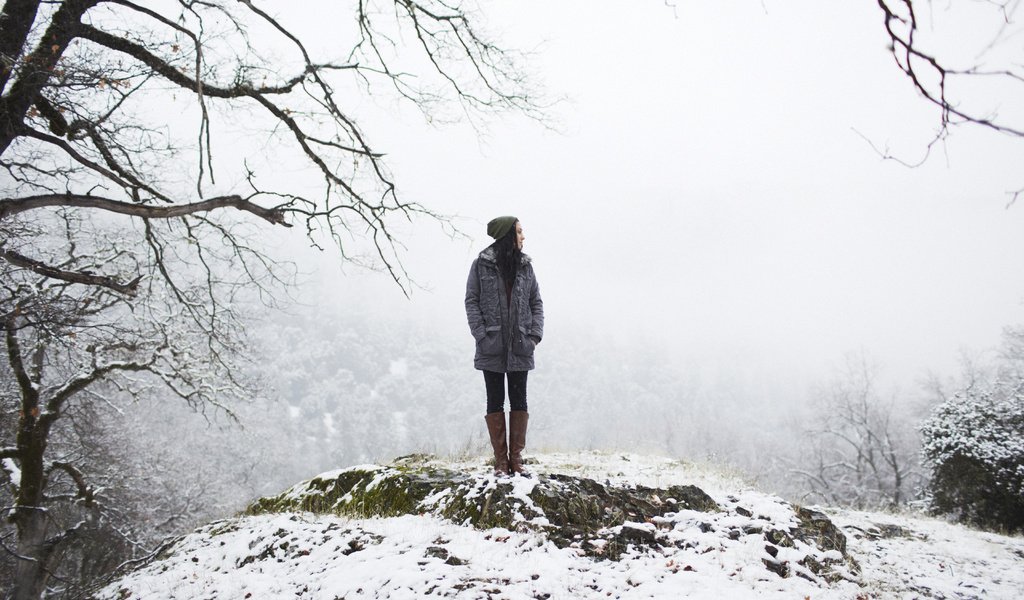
column 496, row 429
column 517, row 420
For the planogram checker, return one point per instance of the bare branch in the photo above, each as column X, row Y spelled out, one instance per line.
column 81, row 277
column 29, row 392
column 56, row 402
column 910, row 59
column 14, row 206
column 75, row 154
column 167, row 71
column 85, row 493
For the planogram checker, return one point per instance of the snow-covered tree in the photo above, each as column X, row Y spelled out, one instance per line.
column 974, row 444
column 72, row 349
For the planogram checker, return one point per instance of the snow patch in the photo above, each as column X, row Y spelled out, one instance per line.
column 13, row 472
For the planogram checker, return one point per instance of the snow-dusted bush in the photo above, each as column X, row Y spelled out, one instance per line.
column 974, row 443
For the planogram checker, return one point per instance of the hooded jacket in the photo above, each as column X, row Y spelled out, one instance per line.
column 502, row 328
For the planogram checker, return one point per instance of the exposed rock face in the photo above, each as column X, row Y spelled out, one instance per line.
column 599, row 520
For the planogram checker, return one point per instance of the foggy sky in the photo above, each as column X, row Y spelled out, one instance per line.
column 708, row 185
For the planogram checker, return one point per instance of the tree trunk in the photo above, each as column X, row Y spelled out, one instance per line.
column 24, row 91
column 15, row 22
column 35, row 556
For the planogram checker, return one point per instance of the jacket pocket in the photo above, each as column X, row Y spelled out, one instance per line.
column 490, row 344
column 522, row 344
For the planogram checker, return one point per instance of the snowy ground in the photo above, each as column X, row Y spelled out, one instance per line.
column 324, row 557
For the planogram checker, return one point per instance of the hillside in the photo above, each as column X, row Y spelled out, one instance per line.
column 584, row 526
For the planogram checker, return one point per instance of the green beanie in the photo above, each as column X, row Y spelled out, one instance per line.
column 498, row 227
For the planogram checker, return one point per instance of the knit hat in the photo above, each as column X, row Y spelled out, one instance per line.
column 499, row 226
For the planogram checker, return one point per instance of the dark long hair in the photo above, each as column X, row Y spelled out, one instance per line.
column 507, row 255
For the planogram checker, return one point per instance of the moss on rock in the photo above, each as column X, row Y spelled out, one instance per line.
column 567, row 508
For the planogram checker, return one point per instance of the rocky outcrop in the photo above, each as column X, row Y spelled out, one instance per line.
column 600, row 520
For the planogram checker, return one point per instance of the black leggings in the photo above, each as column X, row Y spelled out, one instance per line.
column 495, row 383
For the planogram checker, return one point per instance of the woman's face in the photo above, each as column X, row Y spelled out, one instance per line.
column 519, row 236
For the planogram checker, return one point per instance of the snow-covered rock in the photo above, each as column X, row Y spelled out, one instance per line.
column 584, row 526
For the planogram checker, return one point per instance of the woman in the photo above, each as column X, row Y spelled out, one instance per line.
column 506, row 317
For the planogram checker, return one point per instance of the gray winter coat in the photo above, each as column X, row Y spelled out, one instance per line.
column 502, row 330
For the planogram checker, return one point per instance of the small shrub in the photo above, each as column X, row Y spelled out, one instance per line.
column 974, row 443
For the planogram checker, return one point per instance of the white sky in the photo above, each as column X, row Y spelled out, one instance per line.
column 709, row 187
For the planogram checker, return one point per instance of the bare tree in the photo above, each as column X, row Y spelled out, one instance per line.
column 1011, row 366
column 862, row 451
column 69, row 346
column 968, row 88
column 134, row 192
